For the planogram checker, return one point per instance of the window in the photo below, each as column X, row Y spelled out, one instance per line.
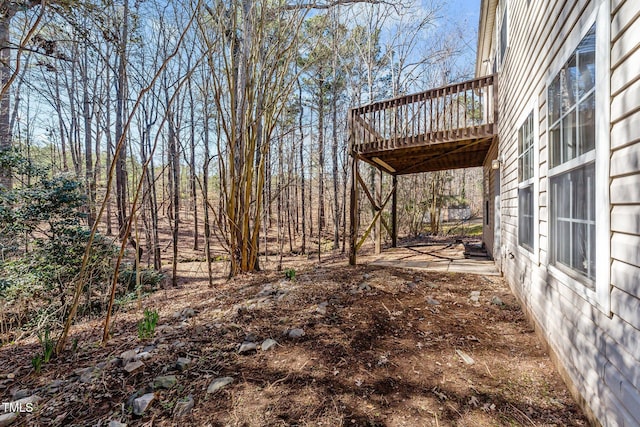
column 572, row 159
column 525, row 184
column 503, row 33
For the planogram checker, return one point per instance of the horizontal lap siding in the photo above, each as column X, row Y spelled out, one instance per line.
column 599, row 355
column 622, row 373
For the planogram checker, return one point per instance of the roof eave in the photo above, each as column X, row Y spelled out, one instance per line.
column 485, row 33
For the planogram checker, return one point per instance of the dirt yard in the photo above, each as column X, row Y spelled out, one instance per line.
column 354, row 346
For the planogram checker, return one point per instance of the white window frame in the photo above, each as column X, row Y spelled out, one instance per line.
column 600, row 296
column 534, row 253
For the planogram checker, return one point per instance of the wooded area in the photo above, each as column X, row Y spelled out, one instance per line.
column 222, row 123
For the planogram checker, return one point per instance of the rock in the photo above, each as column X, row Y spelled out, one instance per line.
column 268, row 344
column 364, row 287
column 128, row 356
column 54, row 386
column 322, row 307
column 114, row 423
column 432, row 301
column 188, row 313
column 142, row 403
column 166, row 381
column 149, row 348
column 219, row 384
column 87, row 374
column 251, row 338
column 11, row 376
column 474, row 296
column 247, row 347
column 410, row 285
column 183, row 363
column 366, row 276
column 296, row 333
column 8, row 419
column 183, row 407
column 20, row 394
column 497, row 301
column 132, row 367
column 145, row 355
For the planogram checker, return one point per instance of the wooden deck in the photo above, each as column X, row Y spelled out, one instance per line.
column 445, row 128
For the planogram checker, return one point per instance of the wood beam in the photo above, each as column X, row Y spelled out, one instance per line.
column 353, row 216
column 375, row 218
column 394, row 214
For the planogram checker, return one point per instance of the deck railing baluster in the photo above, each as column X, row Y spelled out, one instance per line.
column 459, row 111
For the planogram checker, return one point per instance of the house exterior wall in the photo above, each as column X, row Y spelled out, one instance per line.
column 490, row 193
column 594, row 337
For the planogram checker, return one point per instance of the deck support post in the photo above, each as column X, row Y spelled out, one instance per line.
column 394, row 213
column 353, row 215
column 377, row 228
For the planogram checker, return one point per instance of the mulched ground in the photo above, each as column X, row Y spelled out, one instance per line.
column 381, row 347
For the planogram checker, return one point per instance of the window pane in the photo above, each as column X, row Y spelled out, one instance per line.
column 587, row 130
column 503, row 36
column 555, row 145
column 525, row 217
column 586, row 52
column 554, row 100
column 568, row 86
column 569, row 138
column 573, row 220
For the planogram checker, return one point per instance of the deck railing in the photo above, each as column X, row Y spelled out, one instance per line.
column 459, row 111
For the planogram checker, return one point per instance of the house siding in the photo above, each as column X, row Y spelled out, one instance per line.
column 598, row 353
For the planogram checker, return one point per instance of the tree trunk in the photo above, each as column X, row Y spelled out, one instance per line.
column 5, row 100
column 121, row 154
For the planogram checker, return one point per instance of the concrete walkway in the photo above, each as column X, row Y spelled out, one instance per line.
column 446, row 257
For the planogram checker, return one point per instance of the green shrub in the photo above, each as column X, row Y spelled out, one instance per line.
column 149, row 279
column 147, row 326
column 290, row 273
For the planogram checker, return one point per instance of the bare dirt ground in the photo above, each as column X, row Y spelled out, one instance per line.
column 379, row 346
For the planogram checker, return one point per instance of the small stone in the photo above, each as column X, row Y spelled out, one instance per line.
column 188, row 313
column 364, row 287
column 142, row 403
column 251, row 338
column 145, row 355
column 21, row 394
column 11, row 376
column 268, row 344
column 432, row 301
column 54, row 386
column 128, row 356
column 166, row 381
column 183, row 363
column 88, row 374
column 366, row 276
column 497, row 301
column 114, row 423
column 322, row 307
column 183, row 407
column 296, row 333
column 8, row 419
column 132, row 367
column 410, row 285
column 474, row 296
column 149, row 348
column 247, row 347
column 219, row 384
